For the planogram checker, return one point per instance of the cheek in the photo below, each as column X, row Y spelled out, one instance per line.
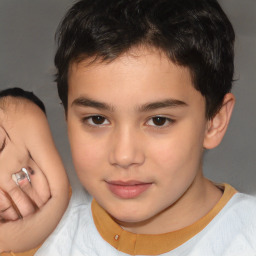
column 177, row 162
column 180, row 153
column 83, row 156
column 87, row 157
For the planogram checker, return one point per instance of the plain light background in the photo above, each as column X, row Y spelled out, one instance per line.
column 27, row 48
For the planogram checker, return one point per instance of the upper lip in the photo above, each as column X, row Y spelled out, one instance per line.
column 127, row 183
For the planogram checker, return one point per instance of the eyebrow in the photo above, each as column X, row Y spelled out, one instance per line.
column 86, row 102
column 168, row 103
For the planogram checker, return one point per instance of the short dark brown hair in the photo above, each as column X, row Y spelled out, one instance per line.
column 193, row 33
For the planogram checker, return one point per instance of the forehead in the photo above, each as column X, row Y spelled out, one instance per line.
column 136, row 60
column 136, row 76
column 137, row 67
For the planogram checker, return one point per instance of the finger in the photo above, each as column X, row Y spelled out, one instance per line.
column 38, row 188
column 7, row 211
column 27, row 187
column 20, row 200
column 39, row 181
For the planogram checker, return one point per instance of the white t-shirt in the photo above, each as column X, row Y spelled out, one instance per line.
column 232, row 232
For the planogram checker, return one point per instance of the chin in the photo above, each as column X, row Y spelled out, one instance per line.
column 129, row 216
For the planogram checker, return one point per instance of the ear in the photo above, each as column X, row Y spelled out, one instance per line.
column 218, row 125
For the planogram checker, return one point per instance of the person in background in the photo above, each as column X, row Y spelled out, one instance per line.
column 32, row 174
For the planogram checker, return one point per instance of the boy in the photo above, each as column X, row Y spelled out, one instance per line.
column 146, row 89
column 28, row 155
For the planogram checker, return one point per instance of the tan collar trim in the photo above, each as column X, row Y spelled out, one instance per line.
column 141, row 244
column 27, row 253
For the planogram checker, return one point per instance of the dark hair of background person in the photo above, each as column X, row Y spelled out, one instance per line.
column 195, row 34
column 20, row 93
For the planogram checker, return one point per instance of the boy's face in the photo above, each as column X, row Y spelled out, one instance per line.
column 136, row 128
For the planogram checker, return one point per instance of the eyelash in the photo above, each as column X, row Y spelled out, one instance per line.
column 89, row 121
column 3, row 145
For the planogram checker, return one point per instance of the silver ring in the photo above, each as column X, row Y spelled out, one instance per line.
column 23, row 174
column 27, row 174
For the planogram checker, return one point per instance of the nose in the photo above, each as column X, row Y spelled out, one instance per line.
column 126, row 149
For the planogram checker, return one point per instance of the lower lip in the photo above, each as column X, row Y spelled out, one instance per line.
column 128, row 191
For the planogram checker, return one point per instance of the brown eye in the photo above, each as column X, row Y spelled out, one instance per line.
column 159, row 121
column 98, row 120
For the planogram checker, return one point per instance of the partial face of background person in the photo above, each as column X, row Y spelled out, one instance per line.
column 14, row 156
column 27, row 145
column 27, row 48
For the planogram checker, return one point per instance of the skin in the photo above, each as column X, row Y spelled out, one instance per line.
column 48, row 191
column 14, row 156
column 139, row 120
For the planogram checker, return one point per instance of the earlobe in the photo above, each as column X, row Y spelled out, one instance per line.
column 218, row 125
